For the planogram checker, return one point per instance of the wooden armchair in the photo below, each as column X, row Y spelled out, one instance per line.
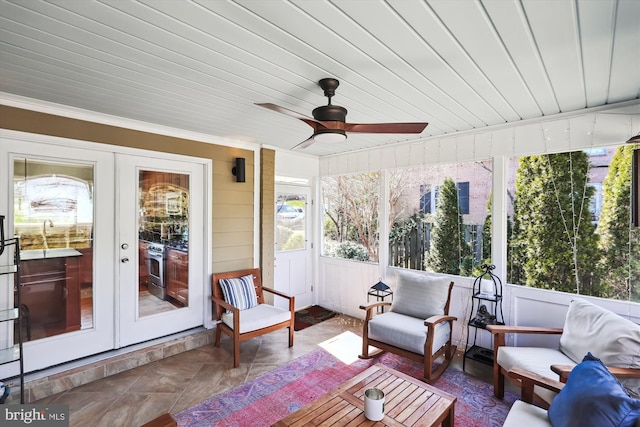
column 587, row 328
column 418, row 326
column 603, row 399
column 525, row 412
column 242, row 321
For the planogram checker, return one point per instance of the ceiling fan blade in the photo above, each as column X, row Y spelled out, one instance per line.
column 385, row 127
column 304, row 144
column 278, row 109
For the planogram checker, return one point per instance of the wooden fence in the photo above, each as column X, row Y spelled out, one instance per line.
column 411, row 251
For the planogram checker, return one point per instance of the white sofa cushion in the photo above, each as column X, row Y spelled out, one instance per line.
column 406, row 332
column 534, row 359
column 258, row 317
column 609, row 337
column 523, row 414
column 420, row 295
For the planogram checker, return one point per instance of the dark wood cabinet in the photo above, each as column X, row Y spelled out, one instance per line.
column 51, row 292
column 178, row 276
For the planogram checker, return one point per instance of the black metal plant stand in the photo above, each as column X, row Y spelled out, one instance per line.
column 13, row 353
column 481, row 315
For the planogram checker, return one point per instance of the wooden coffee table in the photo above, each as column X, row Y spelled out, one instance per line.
column 408, row 402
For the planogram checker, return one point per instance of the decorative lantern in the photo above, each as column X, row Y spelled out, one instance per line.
column 380, row 290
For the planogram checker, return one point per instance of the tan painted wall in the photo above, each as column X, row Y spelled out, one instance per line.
column 232, row 202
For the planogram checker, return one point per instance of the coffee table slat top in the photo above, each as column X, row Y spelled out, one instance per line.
column 408, row 402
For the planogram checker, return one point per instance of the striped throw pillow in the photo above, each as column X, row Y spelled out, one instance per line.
column 239, row 292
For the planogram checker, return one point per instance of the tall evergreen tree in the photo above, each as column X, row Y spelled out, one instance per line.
column 448, row 246
column 619, row 239
column 486, row 231
column 554, row 240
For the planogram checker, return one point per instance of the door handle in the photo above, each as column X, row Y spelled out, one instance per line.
column 124, row 260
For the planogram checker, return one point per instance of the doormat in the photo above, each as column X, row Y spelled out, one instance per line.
column 310, row 316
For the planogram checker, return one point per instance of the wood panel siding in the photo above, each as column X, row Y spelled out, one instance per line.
column 267, row 215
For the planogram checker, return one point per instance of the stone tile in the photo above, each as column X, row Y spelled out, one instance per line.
column 140, row 386
column 210, row 380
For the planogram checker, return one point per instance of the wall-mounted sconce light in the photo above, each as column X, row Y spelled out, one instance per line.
column 238, row 170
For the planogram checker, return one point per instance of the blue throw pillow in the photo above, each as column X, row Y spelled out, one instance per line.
column 240, row 292
column 593, row 397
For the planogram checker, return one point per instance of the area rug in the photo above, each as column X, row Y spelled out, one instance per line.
column 284, row 390
column 310, row 316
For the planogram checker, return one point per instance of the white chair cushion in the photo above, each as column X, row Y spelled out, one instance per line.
column 609, row 337
column 534, row 359
column 420, row 295
column 406, row 332
column 523, row 414
column 258, row 317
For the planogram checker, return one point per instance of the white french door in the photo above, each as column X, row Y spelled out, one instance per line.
column 86, row 218
column 61, row 206
column 160, row 206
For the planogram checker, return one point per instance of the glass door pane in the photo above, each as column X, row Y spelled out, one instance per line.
column 163, row 241
column 53, row 216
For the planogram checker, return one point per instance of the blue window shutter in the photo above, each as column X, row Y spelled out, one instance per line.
column 463, row 196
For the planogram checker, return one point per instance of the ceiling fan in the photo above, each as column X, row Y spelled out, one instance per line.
column 329, row 121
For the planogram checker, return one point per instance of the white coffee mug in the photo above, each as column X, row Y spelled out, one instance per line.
column 374, row 404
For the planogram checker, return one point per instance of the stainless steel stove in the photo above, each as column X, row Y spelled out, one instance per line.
column 157, row 266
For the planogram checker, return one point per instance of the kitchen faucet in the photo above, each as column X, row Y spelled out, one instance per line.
column 44, row 232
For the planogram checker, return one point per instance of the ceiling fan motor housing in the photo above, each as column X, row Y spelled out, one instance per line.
column 330, row 113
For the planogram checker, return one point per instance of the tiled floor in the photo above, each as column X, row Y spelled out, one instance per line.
column 138, row 395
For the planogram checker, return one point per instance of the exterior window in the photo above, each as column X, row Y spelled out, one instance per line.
column 429, row 199
column 463, row 196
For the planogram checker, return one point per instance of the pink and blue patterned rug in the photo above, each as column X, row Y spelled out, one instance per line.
column 274, row 395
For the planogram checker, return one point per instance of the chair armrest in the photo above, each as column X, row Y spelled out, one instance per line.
column 500, row 331
column 563, row 371
column 510, row 329
column 281, row 294
column 434, row 320
column 224, row 304
column 528, row 380
column 292, row 300
column 368, row 307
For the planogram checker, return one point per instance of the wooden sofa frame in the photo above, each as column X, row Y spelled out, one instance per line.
column 499, row 373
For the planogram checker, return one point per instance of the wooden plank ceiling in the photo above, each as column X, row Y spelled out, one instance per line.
column 200, row 65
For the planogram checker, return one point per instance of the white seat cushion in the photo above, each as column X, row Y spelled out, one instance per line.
column 406, row 332
column 534, row 359
column 523, row 414
column 258, row 317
